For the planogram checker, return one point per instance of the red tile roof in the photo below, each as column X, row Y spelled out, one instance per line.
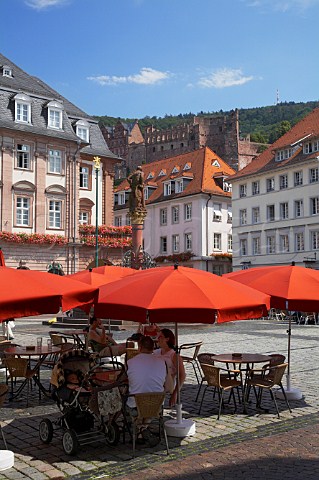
column 308, row 127
column 201, row 173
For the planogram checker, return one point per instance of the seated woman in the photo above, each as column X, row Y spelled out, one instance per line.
column 103, row 343
column 166, row 342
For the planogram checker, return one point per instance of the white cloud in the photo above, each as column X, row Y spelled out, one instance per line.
column 224, row 77
column 42, row 4
column 283, row 5
column 146, row 76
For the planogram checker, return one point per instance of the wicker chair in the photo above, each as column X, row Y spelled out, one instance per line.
column 3, row 393
column 149, row 406
column 131, row 353
column 220, row 382
column 18, row 368
column 267, row 382
column 206, row 358
column 192, row 360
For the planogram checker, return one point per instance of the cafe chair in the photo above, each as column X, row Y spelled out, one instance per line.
column 266, row 379
column 149, row 406
column 206, row 358
column 222, row 383
column 192, row 359
column 18, row 368
column 61, row 341
column 3, row 393
column 131, row 353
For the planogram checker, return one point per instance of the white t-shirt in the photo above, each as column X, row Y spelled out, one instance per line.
column 146, row 373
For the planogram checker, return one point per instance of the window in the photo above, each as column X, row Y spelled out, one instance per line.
column 255, row 188
column 179, row 186
column 23, row 157
column 127, row 219
column 217, row 241
column 23, row 211
column 283, row 181
column 118, row 221
column 243, row 247
column 55, row 161
column 163, row 216
column 270, row 184
column 297, row 178
column 217, row 215
column 84, row 218
column 255, row 215
column 22, row 108
column 314, row 206
column 299, row 242
column 284, row 211
column 146, row 193
column 84, row 177
column 229, row 214
column 121, row 198
column 284, row 243
column 243, row 190
column 271, row 244
column 167, row 189
column 188, row 241
column 270, row 213
column 55, row 115
column 310, row 147
column 6, row 71
column 243, row 217
column 284, row 154
column 187, row 212
column 229, row 243
column 256, row 246
column 314, row 239
column 175, row 214
column 82, row 130
column 298, row 208
column 163, row 244
column 175, row 243
column 55, row 211
column 313, row 175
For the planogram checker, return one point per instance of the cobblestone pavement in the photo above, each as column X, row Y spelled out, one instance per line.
column 252, row 445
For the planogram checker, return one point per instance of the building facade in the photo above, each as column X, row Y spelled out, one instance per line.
column 189, row 214
column 276, row 202
column 48, row 183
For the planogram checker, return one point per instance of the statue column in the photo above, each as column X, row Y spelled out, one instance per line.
column 137, row 213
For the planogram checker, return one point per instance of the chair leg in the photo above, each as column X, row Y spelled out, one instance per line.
column 201, row 403
column 134, row 437
column 161, row 424
column 195, row 371
column 274, row 400
column 199, row 389
column 3, row 437
column 220, row 392
column 285, row 397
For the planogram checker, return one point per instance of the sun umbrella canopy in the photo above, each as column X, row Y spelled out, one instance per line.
column 182, row 294
column 101, row 275
column 290, row 287
column 28, row 292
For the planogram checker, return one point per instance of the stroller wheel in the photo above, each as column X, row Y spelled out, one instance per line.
column 46, row 430
column 70, row 442
column 112, row 433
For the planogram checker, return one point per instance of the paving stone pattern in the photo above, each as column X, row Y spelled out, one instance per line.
column 238, row 446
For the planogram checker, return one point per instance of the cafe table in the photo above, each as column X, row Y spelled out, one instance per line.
column 243, row 361
column 39, row 353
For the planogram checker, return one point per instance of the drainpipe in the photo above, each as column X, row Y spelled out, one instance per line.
column 208, row 200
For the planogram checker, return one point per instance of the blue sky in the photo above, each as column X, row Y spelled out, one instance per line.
column 132, row 58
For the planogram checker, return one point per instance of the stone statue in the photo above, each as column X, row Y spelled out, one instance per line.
column 136, row 198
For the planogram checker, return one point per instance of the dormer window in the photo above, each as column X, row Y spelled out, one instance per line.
column 6, row 71
column 22, row 108
column 120, row 198
column 162, row 173
column 187, row 166
column 82, row 130
column 227, row 187
column 175, row 169
column 150, row 175
column 311, row 147
column 55, row 115
column 215, row 164
column 284, row 154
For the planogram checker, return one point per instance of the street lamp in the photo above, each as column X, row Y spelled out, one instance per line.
column 97, row 166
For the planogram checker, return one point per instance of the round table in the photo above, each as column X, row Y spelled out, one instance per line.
column 248, row 358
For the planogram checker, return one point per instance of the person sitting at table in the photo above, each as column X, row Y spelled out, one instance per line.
column 146, row 373
column 166, row 350
column 102, row 343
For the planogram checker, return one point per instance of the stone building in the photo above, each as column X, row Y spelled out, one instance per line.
column 47, row 173
column 219, row 133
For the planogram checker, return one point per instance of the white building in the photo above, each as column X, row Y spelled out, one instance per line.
column 276, row 201
column 189, row 211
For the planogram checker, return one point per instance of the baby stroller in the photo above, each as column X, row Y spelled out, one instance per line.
column 89, row 400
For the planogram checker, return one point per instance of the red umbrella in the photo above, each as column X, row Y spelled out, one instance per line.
column 2, row 262
column 28, row 292
column 290, row 287
column 184, row 295
column 102, row 275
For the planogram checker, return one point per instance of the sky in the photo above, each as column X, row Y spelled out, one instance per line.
column 136, row 58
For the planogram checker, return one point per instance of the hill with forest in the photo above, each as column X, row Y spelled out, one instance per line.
column 263, row 124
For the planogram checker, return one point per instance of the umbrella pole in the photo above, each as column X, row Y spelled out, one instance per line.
column 180, row 427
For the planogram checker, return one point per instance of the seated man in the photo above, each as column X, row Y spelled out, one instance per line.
column 146, row 373
column 101, row 342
